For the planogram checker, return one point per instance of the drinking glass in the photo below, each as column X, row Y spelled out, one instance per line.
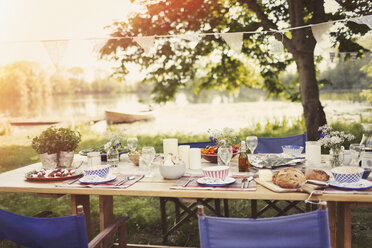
column 251, row 142
column 356, row 150
column 225, row 154
column 146, row 158
column 132, row 143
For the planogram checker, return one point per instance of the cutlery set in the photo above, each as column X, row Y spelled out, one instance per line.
column 124, row 180
column 246, row 182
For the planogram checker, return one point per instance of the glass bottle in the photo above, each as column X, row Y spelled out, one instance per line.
column 113, row 156
column 243, row 158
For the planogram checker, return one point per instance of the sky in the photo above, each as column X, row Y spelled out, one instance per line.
column 35, row 20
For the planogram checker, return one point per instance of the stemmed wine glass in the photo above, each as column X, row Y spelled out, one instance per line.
column 225, row 154
column 132, row 143
column 251, row 142
column 146, row 158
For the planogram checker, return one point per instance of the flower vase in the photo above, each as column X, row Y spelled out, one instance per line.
column 113, row 157
column 336, row 157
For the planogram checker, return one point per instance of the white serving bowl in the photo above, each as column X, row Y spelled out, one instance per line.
column 293, row 150
column 101, row 170
column 347, row 174
column 219, row 171
column 172, row 171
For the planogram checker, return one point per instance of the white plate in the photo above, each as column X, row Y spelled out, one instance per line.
column 215, row 181
column 94, row 179
column 361, row 184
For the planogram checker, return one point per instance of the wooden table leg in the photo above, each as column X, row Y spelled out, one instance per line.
column 106, row 216
column 83, row 200
column 332, row 222
column 343, row 236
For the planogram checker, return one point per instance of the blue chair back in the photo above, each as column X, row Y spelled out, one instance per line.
column 274, row 145
column 59, row 232
column 198, row 144
column 306, row 230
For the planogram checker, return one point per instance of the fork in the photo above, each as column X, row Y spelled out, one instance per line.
column 243, row 182
column 248, row 181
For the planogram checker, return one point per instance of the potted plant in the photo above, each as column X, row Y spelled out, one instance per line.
column 46, row 145
column 68, row 140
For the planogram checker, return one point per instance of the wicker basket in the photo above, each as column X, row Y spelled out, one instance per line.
column 134, row 158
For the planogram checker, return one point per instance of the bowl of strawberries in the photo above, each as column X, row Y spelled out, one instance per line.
column 210, row 153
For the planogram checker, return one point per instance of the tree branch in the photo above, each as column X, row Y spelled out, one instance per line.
column 267, row 24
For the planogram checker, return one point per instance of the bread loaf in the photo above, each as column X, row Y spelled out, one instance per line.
column 289, row 178
column 320, row 175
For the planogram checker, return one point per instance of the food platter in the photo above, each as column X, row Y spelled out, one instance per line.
column 53, row 174
column 273, row 160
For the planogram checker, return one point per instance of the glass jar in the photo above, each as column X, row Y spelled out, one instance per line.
column 113, row 156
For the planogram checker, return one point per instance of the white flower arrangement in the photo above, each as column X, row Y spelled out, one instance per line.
column 114, row 142
column 226, row 136
column 333, row 139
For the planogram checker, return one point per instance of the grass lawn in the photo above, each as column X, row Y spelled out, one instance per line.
column 144, row 224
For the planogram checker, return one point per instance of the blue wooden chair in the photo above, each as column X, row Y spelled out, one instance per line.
column 306, row 230
column 187, row 208
column 274, row 145
column 57, row 232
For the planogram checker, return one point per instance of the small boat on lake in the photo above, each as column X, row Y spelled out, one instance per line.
column 115, row 117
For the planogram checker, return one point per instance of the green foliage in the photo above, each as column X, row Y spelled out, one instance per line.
column 68, row 139
column 54, row 140
column 211, row 64
column 348, row 75
column 47, row 141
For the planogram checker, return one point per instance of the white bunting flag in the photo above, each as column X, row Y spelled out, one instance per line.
column 367, row 20
column 332, row 56
column 276, row 46
column 353, row 56
column 193, row 38
column 368, row 55
column 321, row 30
column 234, row 40
column 146, row 42
column 342, row 56
column 56, row 50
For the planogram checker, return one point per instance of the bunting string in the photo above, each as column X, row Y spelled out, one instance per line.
column 57, row 48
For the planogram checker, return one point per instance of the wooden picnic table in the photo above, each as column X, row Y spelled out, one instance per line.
column 339, row 205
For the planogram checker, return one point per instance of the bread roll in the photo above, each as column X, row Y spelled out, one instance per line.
column 289, row 178
column 320, row 175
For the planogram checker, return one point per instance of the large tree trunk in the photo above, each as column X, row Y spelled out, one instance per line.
column 313, row 110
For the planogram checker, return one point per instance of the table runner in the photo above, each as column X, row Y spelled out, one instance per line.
column 193, row 185
column 111, row 184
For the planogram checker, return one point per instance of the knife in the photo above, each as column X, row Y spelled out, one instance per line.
column 187, row 182
column 126, row 179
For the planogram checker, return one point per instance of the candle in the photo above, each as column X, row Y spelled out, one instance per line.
column 184, row 153
column 170, row 146
column 313, row 153
column 195, row 159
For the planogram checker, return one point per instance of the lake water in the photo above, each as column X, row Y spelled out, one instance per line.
column 188, row 113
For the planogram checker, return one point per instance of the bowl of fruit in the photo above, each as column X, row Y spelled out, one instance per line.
column 210, row 153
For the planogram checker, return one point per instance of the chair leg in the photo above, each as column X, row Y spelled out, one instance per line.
column 226, row 207
column 122, row 235
column 253, row 208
